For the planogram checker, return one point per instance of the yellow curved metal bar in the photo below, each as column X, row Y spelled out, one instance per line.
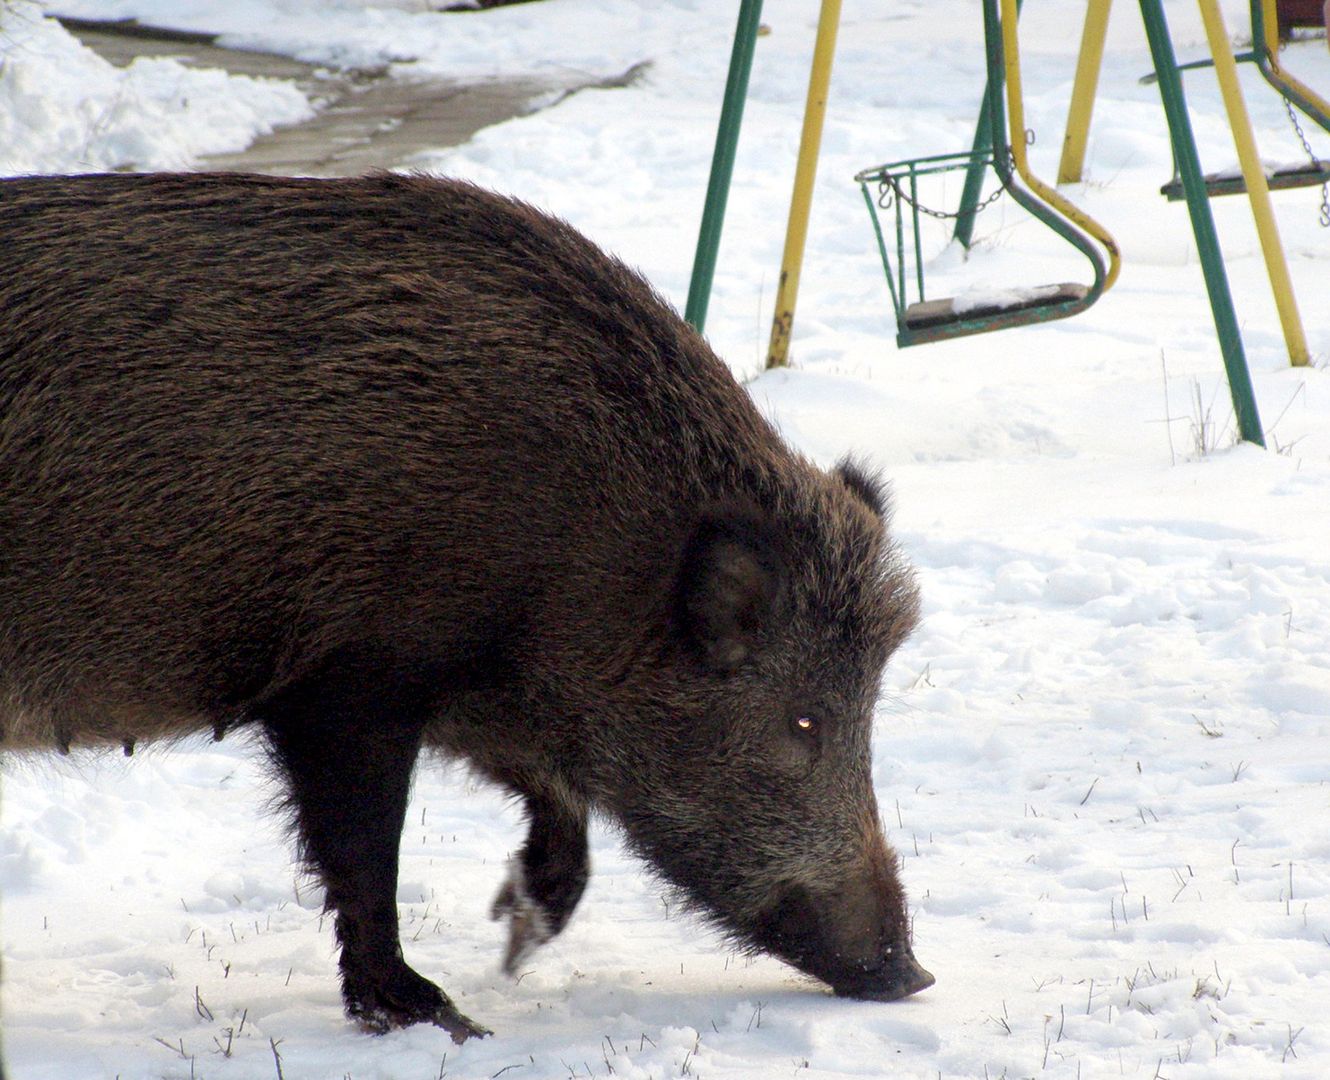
column 1016, row 122
column 1258, row 191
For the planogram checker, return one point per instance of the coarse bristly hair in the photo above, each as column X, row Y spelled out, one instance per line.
column 393, row 463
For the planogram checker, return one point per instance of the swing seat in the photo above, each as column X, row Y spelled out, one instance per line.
column 995, row 309
column 895, row 188
column 892, row 191
column 1230, row 182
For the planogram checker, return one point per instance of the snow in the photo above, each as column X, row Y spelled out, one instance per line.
column 974, row 299
column 1105, row 755
column 65, row 109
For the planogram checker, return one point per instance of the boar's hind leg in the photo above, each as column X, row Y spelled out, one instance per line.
column 546, row 880
column 347, row 742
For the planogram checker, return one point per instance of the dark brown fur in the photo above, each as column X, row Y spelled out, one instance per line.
column 391, row 463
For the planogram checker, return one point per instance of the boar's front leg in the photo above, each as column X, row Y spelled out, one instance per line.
column 545, row 880
column 347, row 742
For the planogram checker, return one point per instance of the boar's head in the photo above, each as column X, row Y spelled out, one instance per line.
column 755, row 797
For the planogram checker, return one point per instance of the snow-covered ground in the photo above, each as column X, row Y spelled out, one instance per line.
column 65, row 109
column 1105, row 755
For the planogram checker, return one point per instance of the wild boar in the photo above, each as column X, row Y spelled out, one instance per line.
column 386, row 464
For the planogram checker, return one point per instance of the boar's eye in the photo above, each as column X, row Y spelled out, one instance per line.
column 801, row 748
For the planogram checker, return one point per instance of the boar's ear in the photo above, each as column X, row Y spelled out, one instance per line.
column 732, row 585
column 864, row 482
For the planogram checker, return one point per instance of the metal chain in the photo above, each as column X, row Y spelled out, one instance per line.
column 1316, row 163
column 890, row 185
column 893, row 183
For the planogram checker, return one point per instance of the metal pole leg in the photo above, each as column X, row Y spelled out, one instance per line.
column 810, row 141
column 722, row 164
column 1202, row 222
column 1258, row 192
column 983, row 140
column 1083, row 91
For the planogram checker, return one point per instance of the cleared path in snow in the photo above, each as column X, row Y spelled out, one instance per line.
column 367, row 118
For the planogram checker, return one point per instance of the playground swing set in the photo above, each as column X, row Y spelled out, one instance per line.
column 893, row 191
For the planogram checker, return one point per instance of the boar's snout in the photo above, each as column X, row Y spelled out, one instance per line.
column 897, row 976
column 853, row 938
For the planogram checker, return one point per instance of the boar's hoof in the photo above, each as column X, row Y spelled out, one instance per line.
column 405, row 998
column 528, row 925
column 459, row 1027
column 891, row 982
